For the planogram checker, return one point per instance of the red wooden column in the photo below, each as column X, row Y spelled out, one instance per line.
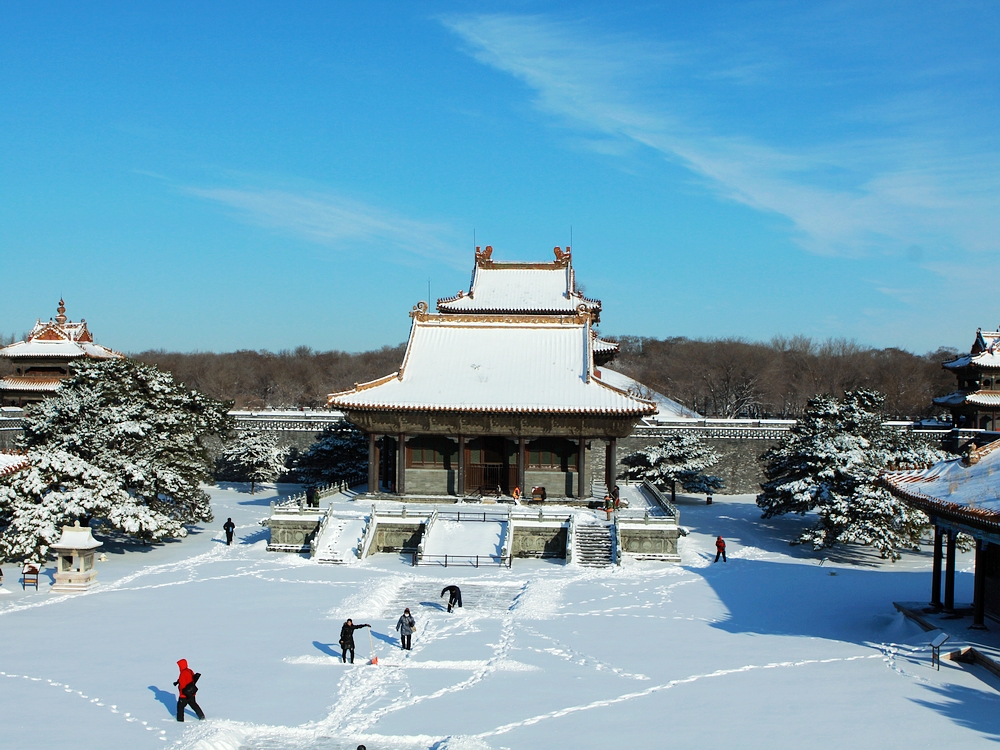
column 949, row 574
column 611, row 464
column 520, row 466
column 979, row 600
column 461, row 466
column 936, row 579
column 373, row 459
column 401, row 464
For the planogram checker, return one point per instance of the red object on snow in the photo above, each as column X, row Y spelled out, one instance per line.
column 187, row 676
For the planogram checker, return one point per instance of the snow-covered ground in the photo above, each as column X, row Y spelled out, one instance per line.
column 769, row 650
column 465, row 538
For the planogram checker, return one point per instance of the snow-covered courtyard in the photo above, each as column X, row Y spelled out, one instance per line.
column 777, row 648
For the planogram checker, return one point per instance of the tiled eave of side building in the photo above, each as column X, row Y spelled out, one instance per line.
column 965, row 491
column 30, row 385
column 496, row 364
column 974, row 398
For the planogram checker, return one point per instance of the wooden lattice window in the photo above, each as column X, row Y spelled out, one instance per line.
column 552, row 454
column 429, row 452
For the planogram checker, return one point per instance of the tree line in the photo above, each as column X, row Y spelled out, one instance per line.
column 286, row 379
column 739, row 378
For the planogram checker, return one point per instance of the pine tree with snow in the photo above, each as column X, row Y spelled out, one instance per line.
column 831, row 463
column 680, row 458
column 252, row 456
column 121, row 446
column 340, row 453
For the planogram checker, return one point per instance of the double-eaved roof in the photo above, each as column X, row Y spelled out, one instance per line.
column 58, row 338
column 964, row 489
column 523, row 344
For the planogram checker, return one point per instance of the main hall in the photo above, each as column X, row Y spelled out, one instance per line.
column 501, row 391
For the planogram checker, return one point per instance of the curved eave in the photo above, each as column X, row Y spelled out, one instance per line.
column 481, row 409
column 976, row 517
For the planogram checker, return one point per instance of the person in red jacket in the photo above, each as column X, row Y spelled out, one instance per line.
column 720, row 548
column 187, row 686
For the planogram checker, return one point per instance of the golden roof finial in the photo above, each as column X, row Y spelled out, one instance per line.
column 61, row 317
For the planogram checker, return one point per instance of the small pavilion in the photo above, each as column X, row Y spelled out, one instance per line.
column 976, row 403
column 960, row 495
column 45, row 357
column 501, row 388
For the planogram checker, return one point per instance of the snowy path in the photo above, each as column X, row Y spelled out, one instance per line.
column 769, row 650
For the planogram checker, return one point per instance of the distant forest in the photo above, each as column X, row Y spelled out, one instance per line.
column 719, row 378
column 738, row 378
column 287, row 379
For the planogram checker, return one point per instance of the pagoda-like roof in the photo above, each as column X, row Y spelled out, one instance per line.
column 503, row 363
column 58, row 338
column 963, row 489
column 520, row 287
column 985, row 352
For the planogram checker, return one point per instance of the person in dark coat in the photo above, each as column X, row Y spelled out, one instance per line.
column 347, row 638
column 406, row 626
column 187, row 686
column 454, row 596
column 230, row 528
column 720, row 549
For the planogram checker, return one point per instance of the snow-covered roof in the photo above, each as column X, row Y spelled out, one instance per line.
column 76, row 537
column 58, row 338
column 985, row 352
column 506, row 286
column 11, row 463
column 42, row 385
column 975, row 398
column 601, row 346
column 509, row 364
column 958, row 486
column 666, row 408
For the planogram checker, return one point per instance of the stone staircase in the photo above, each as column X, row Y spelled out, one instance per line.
column 327, row 553
column 593, row 545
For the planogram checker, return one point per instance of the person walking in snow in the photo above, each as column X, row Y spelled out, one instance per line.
column 347, row 638
column 454, row 596
column 187, row 686
column 406, row 626
column 720, row 549
column 230, row 528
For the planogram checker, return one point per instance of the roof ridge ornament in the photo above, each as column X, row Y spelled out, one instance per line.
column 484, row 257
column 61, row 317
column 419, row 312
column 563, row 257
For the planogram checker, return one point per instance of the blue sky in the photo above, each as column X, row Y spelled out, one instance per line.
column 219, row 176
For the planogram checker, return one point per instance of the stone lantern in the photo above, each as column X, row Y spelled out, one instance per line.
column 76, row 560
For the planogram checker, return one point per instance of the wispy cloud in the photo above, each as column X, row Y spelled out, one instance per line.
column 878, row 192
column 340, row 222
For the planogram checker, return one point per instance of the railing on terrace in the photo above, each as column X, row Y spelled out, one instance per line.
column 301, row 498
column 275, row 420
column 668, row 507
column 459, row 560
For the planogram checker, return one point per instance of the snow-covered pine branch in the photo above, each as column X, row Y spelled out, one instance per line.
column 121, row 445
column 680, row 458
column 830, row 465
column 340, row 453
column 252, row 456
